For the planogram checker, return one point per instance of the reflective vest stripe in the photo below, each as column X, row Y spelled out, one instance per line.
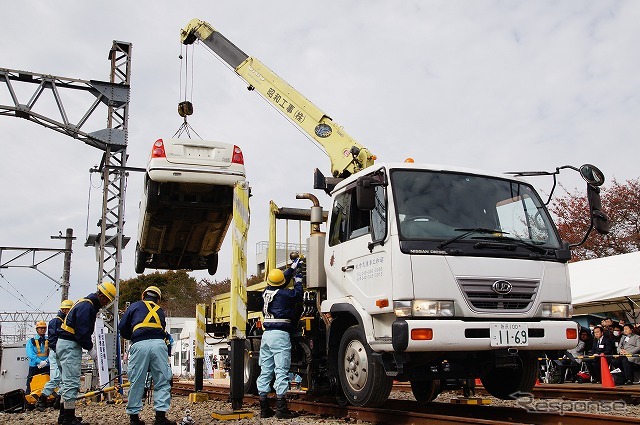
column 276, row 321
column 153, row 314
column 45, row 353
column 64, row 324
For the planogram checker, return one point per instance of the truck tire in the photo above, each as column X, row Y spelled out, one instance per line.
column 425, row 391
column 141, row 260
column 502, row 383
column 251, row 367
column 363, row 380
column 212, row 263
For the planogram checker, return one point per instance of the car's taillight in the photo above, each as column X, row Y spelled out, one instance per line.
column 158, row 150
column 237, row 157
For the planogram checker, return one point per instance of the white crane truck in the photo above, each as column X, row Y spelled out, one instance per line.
column 428, row 274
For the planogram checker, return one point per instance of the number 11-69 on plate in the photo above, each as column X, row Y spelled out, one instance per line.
column 509, row 335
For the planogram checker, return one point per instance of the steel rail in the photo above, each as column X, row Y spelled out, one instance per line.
column 410, row 412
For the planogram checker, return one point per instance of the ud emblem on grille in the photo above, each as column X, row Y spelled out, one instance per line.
column 501, row 287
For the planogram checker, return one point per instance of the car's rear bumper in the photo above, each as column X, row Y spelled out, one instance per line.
column 195, row 175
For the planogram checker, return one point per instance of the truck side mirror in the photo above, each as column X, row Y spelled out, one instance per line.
column 600, row 219
column 365, row 193
column 595, row 178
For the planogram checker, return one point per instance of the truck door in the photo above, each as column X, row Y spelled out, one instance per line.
column 365, row 264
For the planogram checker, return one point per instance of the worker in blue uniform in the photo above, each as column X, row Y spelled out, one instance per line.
column 143, row 324
column 275, row 347
column 38, row 353
column 55, row 368
column 75, row 335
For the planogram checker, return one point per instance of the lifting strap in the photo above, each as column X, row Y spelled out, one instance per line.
column 153, row 314
column 64, row 323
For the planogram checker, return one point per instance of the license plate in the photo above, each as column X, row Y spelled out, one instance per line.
column 198, row 152
column 509, row 335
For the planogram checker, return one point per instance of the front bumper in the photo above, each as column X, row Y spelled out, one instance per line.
column 459, row 335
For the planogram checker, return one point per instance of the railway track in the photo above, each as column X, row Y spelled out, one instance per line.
column 409, row 412
column 629, row 394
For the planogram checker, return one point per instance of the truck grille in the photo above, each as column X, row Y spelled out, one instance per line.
column 479, row 294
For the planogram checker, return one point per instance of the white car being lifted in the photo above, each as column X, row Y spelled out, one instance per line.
column 187, row 204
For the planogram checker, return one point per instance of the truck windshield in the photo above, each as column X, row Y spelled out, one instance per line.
column 456, row 208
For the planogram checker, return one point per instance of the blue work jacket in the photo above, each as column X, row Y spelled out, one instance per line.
column 54, row 329
column 80, row 321
column 139, row 322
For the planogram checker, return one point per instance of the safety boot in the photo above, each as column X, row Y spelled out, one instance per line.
column 70, row 418
column 61, row 415
column 41, row 402
column 135, row 420
column 161, row 419
column 281, row 409
column 265, row 410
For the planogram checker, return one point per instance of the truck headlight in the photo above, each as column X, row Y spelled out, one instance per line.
column 402, row 308
column 424, row 308
column 556, row 310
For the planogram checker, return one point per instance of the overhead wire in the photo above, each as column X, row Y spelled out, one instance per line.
column 24, row 299
column 54, row 289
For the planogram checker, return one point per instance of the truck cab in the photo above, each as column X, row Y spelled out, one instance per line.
column 445, row 264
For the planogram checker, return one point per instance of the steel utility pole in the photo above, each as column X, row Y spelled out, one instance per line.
column 66, row 270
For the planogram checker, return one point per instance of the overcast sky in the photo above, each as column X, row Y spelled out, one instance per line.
column 499, row 85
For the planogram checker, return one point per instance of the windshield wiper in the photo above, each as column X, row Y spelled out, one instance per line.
column 468, row 232
column 520, row 242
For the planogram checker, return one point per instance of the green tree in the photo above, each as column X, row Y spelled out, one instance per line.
column 180, row 292
column 621, row 202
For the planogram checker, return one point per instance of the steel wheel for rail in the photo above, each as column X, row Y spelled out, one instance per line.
column 363, row 380
column 425, row 391
column 251, row 367
column 503, row 382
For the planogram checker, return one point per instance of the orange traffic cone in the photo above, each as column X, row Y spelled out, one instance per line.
column 607, row 379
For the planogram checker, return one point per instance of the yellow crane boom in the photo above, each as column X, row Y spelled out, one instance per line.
column 347, row 156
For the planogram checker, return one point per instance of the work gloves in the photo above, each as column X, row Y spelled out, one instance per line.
column 42, row 364
column 94, row 355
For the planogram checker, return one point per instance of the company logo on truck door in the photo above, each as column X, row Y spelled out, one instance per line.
column 501, row 287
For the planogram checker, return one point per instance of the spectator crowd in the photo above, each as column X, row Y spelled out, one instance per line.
column 618, row 342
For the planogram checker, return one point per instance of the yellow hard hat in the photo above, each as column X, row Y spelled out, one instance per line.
column 66, row 304
column 41, row 324
column 275, row 278
column 153, row 289
column 108, row 289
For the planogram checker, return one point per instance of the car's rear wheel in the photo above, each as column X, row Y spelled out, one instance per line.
column 141, row 260
column 212, row 264
column 153, row 195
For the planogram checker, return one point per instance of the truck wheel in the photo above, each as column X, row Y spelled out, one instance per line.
column 425, row 391
column 363, row 380
column 251, row 368
column 141, row 260
column 503, row 382
column 212, row 263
